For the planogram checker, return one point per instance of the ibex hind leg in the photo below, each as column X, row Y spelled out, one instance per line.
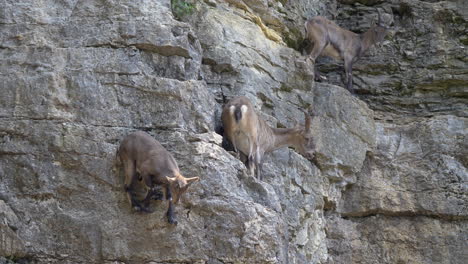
column 153, row 194
column 131, row 179
column 137, row 205
column 157, row 194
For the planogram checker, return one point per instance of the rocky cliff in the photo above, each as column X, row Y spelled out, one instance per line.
column 389, row 183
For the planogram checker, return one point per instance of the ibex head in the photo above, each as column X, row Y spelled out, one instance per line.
column 179, row 185
column 380, row 30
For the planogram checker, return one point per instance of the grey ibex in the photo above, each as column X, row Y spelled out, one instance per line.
column 253, row 138
column 331, row 40
column 144, row 158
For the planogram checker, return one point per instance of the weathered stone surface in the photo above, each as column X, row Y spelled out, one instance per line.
column 239, row 60
column 10, row 243
column 409, row 202
column 387, row 186
column 344, row 129
column 417, row 169
column 398, row 239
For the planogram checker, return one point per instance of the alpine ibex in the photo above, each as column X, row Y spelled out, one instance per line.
column 144, row 158
column 253, row 138
column 331, row 40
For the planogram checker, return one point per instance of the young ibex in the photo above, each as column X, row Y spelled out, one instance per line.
column 331, row 40
column 144, row 158
column 253, row 138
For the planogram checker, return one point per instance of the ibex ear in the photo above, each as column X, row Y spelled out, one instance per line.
column 191, row 180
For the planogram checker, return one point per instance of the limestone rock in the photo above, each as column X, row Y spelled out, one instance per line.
column 388, row 184
column 344, row 129
column 417, row 169
column 10, row 244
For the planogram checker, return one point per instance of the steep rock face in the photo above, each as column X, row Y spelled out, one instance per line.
column 420, row 69
column 77, row 76
column 396, row 239
column 417, row 169
column 345, row 132
column 409, row 203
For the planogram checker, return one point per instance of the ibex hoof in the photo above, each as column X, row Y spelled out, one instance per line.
column 142, row 209
column 172, row 221
column 320, row 78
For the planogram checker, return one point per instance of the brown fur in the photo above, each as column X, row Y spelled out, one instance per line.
column 143, row 157
column 253, row 138
column 333, row 41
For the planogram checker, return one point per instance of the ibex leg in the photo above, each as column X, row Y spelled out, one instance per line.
column 251, row 158
column 130, row 181
column 259, row 163
column 319, row 45
column 151, row 193
column 170, row 207
column 235, row 148
column 349, row 75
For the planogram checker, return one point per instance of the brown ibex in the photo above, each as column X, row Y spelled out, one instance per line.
column 144, row 158
column 253, row 138
column 331, row 40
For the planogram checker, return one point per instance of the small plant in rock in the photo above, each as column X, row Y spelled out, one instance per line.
column 181, row 8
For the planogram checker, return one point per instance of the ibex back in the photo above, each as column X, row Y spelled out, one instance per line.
column 144, row 158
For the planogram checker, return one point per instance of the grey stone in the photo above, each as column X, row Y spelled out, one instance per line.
column 388, row 184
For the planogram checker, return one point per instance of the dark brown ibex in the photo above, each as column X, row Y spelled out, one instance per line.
column 253, row 138
column 331, row 40
column 144, row 158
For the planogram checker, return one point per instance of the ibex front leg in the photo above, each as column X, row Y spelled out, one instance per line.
column 348, row 65
column 235, row 148
column 131, row 178
column 251, row 163
column 318, row 48
column 170, row 210
column 259, row 163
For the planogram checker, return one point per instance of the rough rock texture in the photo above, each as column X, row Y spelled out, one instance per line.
column 420, row 69
column 388, row 184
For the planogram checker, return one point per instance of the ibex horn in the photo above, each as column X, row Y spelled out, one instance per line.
column 379, row 17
